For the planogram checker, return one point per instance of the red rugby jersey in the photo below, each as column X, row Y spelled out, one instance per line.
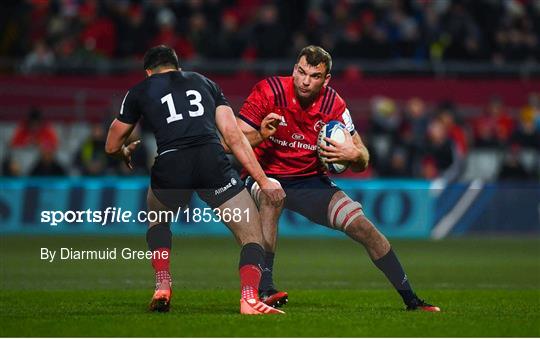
column 292, row 150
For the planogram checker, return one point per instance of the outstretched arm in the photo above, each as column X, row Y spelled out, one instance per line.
column 240, row 147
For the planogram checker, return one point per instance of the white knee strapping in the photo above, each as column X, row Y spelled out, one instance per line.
column 344, row 212
column 256, row 191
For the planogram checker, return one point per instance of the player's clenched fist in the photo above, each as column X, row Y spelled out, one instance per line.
column 127, row 151
column 269, row 125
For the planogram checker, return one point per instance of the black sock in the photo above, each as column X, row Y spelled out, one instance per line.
column 252, row 254
column 159, row 236
column 267, row 282
column 390, row 266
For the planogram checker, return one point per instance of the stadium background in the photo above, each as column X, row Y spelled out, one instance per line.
column 446, row 95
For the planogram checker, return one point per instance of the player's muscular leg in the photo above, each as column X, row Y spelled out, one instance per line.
column 248, row 233
column 248, row 229
column 363, row 231
column 345, row 216
column 269, row 219
column 155, row 205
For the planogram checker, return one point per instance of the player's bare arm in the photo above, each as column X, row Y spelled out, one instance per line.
column 268, row 127
column 353, row 150
column 238, row 143
column 256, row 136
column 118, row 134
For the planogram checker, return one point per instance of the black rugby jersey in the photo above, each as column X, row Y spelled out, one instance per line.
column 179, row 106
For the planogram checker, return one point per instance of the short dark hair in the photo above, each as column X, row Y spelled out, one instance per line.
column 161, row 55
column 316, row 55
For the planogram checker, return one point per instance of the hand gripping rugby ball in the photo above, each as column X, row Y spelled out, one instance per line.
column 334, row 130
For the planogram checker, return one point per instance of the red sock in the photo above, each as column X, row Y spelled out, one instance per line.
column 161, row 263
column 250, row 277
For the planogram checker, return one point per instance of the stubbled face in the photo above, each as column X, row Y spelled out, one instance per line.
column 309, row 80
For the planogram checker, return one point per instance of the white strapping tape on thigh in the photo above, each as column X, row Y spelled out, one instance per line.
column 256, row 191
column 344, row 212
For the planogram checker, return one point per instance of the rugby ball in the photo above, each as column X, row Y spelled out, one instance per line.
column 334, row 130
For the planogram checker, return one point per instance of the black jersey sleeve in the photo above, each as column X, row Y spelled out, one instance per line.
column 219, row 97
column 129, row 110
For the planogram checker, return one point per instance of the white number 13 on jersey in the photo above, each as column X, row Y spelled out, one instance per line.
column 196, row 101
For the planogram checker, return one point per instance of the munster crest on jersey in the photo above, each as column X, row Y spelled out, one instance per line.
column 318, row 125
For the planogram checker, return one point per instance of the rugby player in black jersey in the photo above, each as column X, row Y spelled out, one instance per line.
column 185, row 110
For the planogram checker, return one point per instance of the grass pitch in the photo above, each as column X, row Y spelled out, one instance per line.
column 485, row 287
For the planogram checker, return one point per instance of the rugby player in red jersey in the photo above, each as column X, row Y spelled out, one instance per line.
column 282, row 117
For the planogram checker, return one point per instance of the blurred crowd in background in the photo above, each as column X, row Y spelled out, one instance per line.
column 442, row 142
column 44, row 32
column 410, row 138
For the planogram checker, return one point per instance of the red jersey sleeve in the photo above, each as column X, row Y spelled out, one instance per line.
column 258, row 104
column 341, row 113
